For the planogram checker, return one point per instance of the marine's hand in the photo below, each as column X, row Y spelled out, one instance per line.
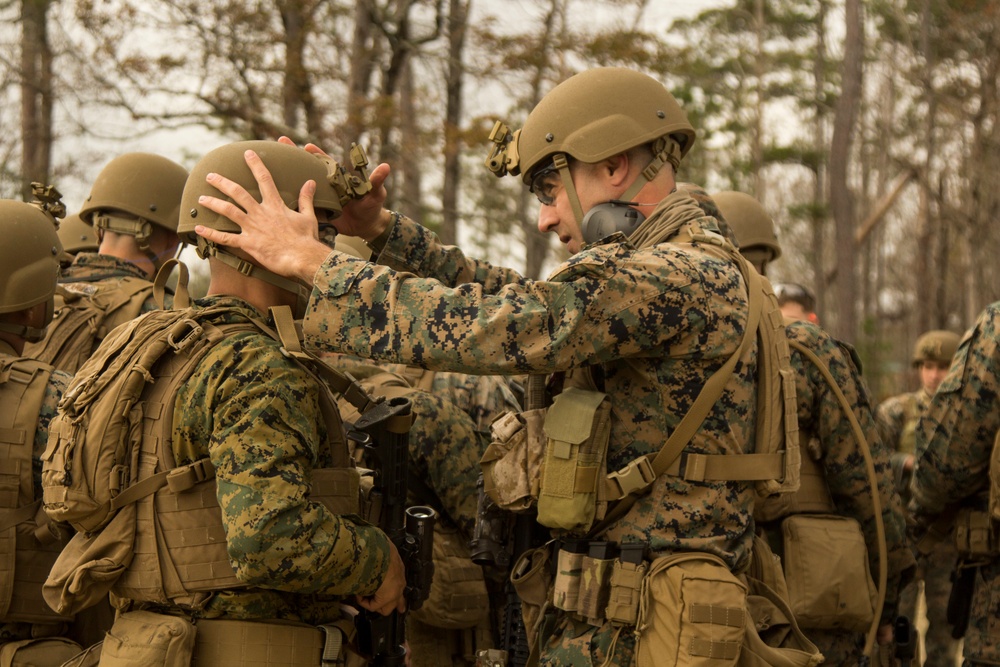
column 279, row 238
column 885, row 634
column 389, row 596
column 363, row 217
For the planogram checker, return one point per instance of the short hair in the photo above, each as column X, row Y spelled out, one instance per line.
column 795, row 293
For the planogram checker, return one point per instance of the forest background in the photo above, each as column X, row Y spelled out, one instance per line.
column 868, row 128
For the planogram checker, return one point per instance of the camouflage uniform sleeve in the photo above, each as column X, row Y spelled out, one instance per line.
column 955, row 435
column 589, row 311
column 263, row 429
column 891, row 417
column 846, row 471
column 414, row 248
column 58, row 383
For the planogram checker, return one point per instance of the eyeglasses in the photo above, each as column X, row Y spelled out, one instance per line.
column 545, row 184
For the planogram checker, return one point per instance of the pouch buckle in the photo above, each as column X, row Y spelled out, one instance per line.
column 635, row 478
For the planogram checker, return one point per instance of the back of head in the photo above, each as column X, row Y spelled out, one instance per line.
column 795, row 293
column 290, row 167
column 937, row 345
column 29, row 256
column 752, row 225
column 134, row 191
column 77, row 235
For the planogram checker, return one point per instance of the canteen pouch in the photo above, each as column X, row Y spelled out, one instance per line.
column 147, row 639
column 532, row 579
column 693, row 613
column 511, row 464
column 826, row 568
column 577, row 430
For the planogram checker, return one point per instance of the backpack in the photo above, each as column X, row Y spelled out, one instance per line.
column 108, row 465
column 84, row 314
column 28, row 545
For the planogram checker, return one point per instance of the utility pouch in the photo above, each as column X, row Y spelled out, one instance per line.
column 43, row 651
column 532, row 579
column 975, row 534
column 693, row 614
column 458, row 598
column 595, row 584
column 626, row 585
column 147, row 639
column 577, row 431
column 512, row 463
column 826, row 568
column 569, row 570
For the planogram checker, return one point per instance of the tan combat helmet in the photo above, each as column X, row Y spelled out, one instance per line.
column 937, row 345
column 290, row 168
column 591, row 116
column 29, row 262
column 77, row 235
column 753, row 227
column 133, row 192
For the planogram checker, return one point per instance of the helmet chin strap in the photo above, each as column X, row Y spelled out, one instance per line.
column 665, row 149
column 207, row 249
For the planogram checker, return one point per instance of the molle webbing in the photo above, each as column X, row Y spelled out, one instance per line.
column 813, row 496
column 28, row 545
column 82, row 321
column 180, row 545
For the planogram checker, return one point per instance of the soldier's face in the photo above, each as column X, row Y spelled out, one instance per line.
column 557, row 217
column 932, row 373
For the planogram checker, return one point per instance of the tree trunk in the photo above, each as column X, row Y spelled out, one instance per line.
column 36, row 96
column 458, row 16
column 841, row 198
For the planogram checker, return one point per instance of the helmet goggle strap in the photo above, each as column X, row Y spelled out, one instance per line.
column 561, row 164
column 208, row 249
column 140, row 228
column 31, row 334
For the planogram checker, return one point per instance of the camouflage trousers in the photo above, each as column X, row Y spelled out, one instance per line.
column 982, row 639
column 578, row 644
column 934, row 578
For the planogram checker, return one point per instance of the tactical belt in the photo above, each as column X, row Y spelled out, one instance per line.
column 270, row 644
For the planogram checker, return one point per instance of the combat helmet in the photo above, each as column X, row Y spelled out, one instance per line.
column 133, row 192
column 591, row 116
column 290, row 168
column 753, row 227
column 77, row 235
column 937, row 345
column 29, row 261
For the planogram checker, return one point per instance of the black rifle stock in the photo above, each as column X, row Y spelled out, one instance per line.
column 384, row 432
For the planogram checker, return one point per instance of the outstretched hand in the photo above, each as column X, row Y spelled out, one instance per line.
column 363, row 217
column 278, row 238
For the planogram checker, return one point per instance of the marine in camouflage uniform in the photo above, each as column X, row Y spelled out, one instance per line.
column 954, row 441
column 650, row 321
column 132, row 209
column 29, row 266
column 898, row 417
column 250, row 409
column 827, row 437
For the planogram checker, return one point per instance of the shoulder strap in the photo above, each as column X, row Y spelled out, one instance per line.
column 859, row 437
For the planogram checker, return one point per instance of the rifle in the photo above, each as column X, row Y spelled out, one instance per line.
column 499, row 540
column 384, row 432
column 963, row 584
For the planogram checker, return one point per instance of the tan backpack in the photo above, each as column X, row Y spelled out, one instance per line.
column 29, row 544
column 85, row 313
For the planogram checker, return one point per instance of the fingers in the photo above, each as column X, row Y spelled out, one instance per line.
column 268, row 190
column 306, row 197
column 235, row 191
column 215, row 236
column 316, row 150
column 378, row 175
column 285, row 140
